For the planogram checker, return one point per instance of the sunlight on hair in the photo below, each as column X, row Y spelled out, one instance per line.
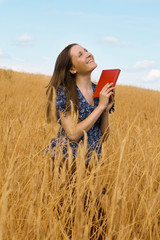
column 74, row 117
column 51, row 106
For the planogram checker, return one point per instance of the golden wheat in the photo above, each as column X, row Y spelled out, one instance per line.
column 39, row 199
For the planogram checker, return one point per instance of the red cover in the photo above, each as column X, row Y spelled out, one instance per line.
column 107, row 76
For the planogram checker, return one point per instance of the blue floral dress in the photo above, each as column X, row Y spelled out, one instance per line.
column 85, row 109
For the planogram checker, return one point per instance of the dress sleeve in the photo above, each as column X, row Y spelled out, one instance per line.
column 61, row 101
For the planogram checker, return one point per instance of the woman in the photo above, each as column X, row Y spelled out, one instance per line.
column 74, row 91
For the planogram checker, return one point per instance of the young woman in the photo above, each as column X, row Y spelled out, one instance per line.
column 74, row 92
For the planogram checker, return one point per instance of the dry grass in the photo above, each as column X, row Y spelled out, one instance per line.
column 39, row 202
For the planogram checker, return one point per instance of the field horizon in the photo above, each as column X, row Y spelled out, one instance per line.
column 46, row 76
column 116, row 200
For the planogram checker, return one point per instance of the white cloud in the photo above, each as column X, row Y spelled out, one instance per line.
column 114, row 40
column 24, row 40
column 13, row 68
column 26, row 68
column 143, row 64
column 153, row 75
column 17, row 69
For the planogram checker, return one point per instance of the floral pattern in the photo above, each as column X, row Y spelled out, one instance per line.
column 85, row 109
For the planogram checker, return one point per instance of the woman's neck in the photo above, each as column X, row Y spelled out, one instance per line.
column 84, row 82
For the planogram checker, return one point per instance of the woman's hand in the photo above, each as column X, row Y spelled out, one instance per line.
column 107, row 96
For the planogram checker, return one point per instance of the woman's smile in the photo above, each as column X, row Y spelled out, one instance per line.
column 90, row 61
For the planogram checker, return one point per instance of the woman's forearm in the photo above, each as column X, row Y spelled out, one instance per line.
column 75, row 132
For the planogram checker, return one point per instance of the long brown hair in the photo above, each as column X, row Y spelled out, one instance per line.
column 63, row 77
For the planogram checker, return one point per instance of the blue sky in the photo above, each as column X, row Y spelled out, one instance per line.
column 121, row 34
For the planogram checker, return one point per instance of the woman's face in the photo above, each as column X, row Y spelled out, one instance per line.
column 82, row 60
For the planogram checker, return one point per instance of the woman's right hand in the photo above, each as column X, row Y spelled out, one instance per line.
column 105, row 94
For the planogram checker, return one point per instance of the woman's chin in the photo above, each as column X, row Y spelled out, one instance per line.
column 95, row 65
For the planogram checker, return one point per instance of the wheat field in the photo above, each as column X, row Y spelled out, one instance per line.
column 116, row 200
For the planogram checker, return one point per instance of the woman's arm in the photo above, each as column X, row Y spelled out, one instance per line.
column 75, row 131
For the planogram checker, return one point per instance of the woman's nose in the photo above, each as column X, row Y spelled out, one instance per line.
column 89, row 54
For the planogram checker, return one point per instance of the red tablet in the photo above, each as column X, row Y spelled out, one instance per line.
column 107, row 76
